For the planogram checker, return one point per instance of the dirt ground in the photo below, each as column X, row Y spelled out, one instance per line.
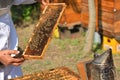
column 60, row 52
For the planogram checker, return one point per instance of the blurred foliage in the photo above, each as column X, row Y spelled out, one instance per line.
column 24, row 13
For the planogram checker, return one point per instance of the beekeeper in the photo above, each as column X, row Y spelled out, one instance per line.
column 9, row 66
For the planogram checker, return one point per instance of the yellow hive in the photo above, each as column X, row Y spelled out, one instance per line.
column 111, row 43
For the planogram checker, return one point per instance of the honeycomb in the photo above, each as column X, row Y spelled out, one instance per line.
column 60, row 73
column 43, row 30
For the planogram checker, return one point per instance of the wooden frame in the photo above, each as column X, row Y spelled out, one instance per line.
column 59, row 73
column 41, row 36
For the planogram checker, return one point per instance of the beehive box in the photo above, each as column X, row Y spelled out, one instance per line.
column 107, row 16
column 41, row 36
column 71, row 15
column 60, row 73
column 111, row 43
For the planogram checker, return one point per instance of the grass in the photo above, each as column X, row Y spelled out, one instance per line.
column 60, row 52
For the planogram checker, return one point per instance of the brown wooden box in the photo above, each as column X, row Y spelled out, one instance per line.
column 60, row 73
column 41, row 36
column 71, row 15
column 107, row 16
column 84, row 69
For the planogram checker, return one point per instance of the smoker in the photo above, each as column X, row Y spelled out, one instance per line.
column 103, row 67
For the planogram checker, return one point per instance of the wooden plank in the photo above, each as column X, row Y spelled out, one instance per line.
column 117, row 15
column 97, row 17
column 109, row 0
column 117, row 27
column 84, row 4
column 107, row 26
column 117, row 36
column 41, row 36
column 107, row 9
column 106, row 5
column 70, row 16
column 84, row 1
column 109, row 3
column 108, row 15
column 107, row 20
column 106, row 33
column 84, row 69
column 107, row 29
column 84, row 9
column 84, row 18
column 60, row 73
column 117, row 4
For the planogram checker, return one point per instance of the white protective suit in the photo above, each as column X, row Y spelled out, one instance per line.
column 8, row 38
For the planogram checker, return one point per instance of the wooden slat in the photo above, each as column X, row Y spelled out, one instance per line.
column 84, row 4
column 117, row 27
column 107, row 29
column 84, row 18
column 70, row 16
column 107, row 21
column 117, row 20
column 117, row 15
column 108, row 26
column 107, row 33
column 84, row 1
column 117, row 4
column 84, row 70
column 109, row 16
column 109, row 3
column 107, row 9
column 60, row 73
column 84, row 9
column 106, row 5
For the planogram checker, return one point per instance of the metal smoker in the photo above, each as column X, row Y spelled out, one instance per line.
column 103, row 67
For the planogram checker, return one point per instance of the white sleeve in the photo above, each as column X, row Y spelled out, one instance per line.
column 17, row 2
column 4, row 35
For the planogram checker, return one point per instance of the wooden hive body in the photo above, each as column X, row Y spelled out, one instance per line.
column 71, row 15
column 41, row 36
column 107, row 16
column 60, row 73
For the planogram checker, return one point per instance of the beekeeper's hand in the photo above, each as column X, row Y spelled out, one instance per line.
column 6, row 59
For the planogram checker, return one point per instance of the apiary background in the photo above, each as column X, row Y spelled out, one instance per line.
column 66, row 52
column 107, row 17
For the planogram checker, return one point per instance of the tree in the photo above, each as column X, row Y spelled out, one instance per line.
column 91, row 28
